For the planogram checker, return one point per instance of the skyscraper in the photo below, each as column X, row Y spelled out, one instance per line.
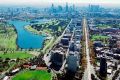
column 66, row 8
column 60, row 8
column 73, row 7
column 103, row 67
column 52, row 8
column 94, row 8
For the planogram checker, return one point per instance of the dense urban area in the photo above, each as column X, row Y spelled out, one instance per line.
column 60, row 43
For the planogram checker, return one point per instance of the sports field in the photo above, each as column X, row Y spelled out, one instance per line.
column 32, row 75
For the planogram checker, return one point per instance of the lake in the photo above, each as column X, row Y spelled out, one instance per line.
column 26, row 39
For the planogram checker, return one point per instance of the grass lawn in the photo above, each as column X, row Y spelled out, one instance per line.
column 16, row 54
column 103, row 26
column 8, row 39
column 48, row 44
column 29, row 28
column 98, row 37
column 32, row 75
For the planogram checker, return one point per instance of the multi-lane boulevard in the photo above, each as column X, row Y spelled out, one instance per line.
column 87, row 73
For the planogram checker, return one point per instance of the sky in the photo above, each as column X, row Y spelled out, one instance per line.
column 48, row 2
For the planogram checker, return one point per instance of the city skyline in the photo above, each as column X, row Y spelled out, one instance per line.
column 60, row 40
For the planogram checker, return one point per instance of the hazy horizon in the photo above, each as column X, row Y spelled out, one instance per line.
column 46, row 3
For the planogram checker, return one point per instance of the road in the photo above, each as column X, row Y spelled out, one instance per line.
column 87, row 73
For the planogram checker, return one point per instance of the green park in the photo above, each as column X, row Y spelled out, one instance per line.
column 32, row 75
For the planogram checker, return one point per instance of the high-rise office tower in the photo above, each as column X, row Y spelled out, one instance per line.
column 103, row 67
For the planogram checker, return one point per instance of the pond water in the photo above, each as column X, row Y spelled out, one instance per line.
column 26, row 39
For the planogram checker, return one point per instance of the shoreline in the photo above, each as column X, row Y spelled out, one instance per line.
column 17, row 47
column 35, row 32
column 47, row 42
